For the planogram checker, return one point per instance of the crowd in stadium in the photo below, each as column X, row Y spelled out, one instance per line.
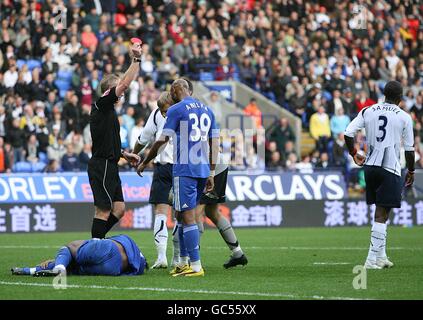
column 312, row 58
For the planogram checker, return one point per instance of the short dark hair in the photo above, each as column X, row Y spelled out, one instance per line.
column 190, row 85
column 393, row 91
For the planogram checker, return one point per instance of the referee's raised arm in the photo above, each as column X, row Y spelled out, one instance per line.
column 132, row 71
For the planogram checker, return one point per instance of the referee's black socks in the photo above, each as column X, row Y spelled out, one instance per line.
column 100, row 227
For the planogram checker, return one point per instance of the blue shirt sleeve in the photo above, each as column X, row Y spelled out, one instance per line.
column 172, row 122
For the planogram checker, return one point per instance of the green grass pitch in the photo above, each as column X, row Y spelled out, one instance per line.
column 306, row 263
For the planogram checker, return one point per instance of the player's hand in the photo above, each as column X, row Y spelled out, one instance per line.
column 210, row 184
column 44, row 264
column 136, row 50
column 359, row 158
column 141, row 168
column 409, row 179
column 132, row 158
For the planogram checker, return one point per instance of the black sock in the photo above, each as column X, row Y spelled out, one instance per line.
column 111, row 222
column 99, row 228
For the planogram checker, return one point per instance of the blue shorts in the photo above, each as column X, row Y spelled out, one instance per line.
column 187, row 192
column 162, row 183
column 99, row 257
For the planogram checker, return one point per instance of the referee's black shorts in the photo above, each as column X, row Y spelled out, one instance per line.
column 105, row 182
column 383, row 188
column 161, row 184
column 218, row 195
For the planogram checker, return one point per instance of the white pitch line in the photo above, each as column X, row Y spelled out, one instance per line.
column 331, row 263
column 246, row 248
column 236, row 293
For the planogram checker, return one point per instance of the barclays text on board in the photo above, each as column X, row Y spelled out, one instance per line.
column 74, row 187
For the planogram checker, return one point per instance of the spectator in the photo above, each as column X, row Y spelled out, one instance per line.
column 215, row 105
column 254, row 112
column 281, row 133
column 56, row 150
column 324, row 161
column 4, row 160
column 135, row 132
column 363, row 101
column 275, row 163
column 53, row 166
column 339, row 151
column 70, row 160
column 320, row 128
column 339, row 122
column 16, row 137
column 84, row 157
column 32, row 149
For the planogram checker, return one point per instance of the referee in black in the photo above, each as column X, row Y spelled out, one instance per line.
column 103, row 171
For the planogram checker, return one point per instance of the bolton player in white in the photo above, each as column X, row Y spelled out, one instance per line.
column 162, row 177
column 386, row 125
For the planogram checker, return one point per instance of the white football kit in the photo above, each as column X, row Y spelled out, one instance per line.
column 152, row 131
column 386, row 125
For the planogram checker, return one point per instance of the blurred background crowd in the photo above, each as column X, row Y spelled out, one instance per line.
column 318, row 59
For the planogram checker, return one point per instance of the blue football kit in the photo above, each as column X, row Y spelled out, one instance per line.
column 98, row 257
column 191, row 124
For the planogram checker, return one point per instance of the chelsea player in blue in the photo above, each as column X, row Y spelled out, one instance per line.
column 114, row 256
column 192, row 127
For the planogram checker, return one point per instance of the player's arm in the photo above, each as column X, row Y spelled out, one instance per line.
column 169, row 130
column 214, row 142
column 132, row 71
column 408, row 142
column 147, row 134
column 352, row 128
column 157, row 145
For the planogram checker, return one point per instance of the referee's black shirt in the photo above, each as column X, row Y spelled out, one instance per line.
column 105, row 128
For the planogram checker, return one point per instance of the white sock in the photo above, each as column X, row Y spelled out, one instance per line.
column 196, row 266
column 175, row 240
column 377, row 240
column 60, row 267
column 382, row 252
column 184, row 260
column 160, row 235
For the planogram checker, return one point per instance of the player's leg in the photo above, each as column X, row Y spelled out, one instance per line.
column 385, row 192
column 175, row 241
column 199, row 218
column 160, row 234
column 159, row 197
column 228, row 234
column 187, row 192
column 26, row 271
column 108, row 198
column 61, row 264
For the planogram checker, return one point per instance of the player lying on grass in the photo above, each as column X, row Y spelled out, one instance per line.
column 114, row 256
column 387, row 125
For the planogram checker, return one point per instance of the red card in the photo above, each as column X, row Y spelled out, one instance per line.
column 136, row 40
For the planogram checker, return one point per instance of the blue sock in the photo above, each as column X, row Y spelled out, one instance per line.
column 182, row 247
column 63, row 257
column 27, row 270
column 192, row 239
